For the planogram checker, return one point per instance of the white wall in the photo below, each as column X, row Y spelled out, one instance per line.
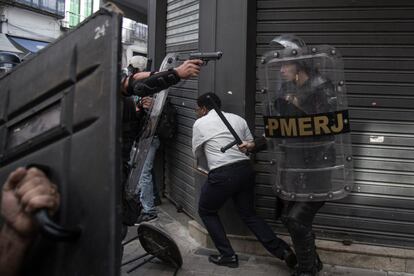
column 96, row 5
column 130, row 41
column 28, row 24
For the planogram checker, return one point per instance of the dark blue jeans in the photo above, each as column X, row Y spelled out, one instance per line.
column 235, row 181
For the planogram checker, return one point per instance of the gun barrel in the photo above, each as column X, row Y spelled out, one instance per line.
column 206, row 55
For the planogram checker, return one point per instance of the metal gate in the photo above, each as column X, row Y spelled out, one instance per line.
column 182, row 37
column 376, row 38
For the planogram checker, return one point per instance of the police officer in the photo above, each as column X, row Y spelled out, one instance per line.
column 143, row 84
column 305, row 93
column 305, row 165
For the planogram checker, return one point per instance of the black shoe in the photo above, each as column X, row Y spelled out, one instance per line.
column 144, row 217
column 290, row 258
column 230, row 261
column 303, row 274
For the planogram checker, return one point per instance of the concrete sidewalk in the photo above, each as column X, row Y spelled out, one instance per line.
column 195, row 257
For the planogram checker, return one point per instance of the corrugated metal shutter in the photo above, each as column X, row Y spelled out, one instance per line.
column 376, row 38
column 182, row 36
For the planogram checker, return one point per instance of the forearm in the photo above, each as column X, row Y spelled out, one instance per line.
column 152, row 84
column 12, row 251
column 126, row 79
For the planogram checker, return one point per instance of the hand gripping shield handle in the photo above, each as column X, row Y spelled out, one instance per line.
column 47, row 226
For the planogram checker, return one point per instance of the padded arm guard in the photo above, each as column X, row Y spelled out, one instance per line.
column 152, row 84
column 260, row 144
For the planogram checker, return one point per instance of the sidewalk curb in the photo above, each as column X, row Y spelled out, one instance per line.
column 331, row 252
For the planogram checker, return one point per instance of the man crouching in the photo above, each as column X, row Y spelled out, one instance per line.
column 231, row 175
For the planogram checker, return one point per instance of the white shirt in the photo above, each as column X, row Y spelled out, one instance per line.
column 210, row 134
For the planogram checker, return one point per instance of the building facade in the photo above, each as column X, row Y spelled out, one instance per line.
column 134, row 39
column 30, row 25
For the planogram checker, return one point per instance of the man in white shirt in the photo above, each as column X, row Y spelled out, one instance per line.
column 231, row 175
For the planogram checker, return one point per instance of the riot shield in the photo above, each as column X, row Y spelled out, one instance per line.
column 142, row 145
column 306, row 120
column 61, row 110
column 157, row 243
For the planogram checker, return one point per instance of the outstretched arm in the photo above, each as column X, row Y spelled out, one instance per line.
column 144, row 84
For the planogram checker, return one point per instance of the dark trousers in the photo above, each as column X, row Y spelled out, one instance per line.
column 298, row 218
column 235, row 181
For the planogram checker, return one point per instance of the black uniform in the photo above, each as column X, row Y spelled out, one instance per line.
column 313, row 97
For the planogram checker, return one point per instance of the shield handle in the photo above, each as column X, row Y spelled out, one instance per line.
column 48, row 227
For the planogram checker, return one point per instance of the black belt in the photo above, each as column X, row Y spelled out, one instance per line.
column 232, row 166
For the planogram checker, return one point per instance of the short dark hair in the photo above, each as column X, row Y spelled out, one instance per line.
column 204, row 101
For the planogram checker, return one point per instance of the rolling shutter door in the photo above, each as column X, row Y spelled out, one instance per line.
column 182, row 36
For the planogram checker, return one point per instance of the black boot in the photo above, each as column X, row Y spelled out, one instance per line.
column 304, row 243
column 318, row 267
column 290, row 258
column 229, row 261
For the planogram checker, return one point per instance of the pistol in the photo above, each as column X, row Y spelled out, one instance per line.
column 205, row 57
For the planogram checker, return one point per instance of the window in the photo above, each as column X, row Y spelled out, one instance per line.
column 87, row 9
column 78, row 10
column 74, row 13
column 49, row 5
column 56, row 7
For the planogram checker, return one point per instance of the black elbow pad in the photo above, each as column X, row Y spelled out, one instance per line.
column 153, row 84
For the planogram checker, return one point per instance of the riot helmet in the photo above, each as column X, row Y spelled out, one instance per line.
column 290, row 41
column 138, row 63
column 7, row 62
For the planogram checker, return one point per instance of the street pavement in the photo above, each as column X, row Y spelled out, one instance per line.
column 195, row 257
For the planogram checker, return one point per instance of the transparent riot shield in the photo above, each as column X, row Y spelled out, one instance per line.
column 306, row 119
column 142, row 146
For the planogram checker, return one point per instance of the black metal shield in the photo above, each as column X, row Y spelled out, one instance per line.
column 61, row 110
column 159, row 244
